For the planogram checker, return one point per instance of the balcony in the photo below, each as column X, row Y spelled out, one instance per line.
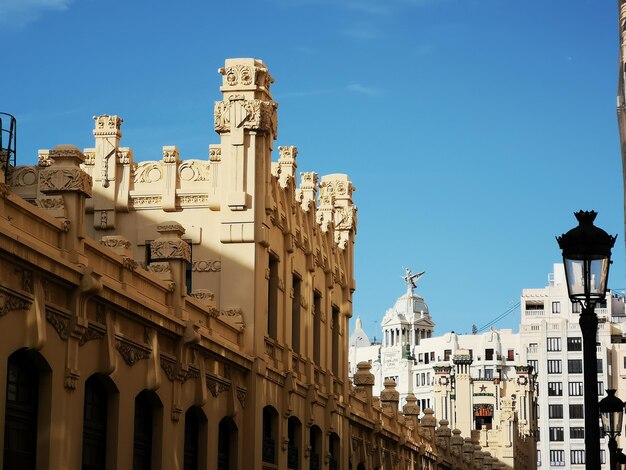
column 534, row 313
column 532, row 349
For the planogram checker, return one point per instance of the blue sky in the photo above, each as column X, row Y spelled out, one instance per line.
column 472, row 129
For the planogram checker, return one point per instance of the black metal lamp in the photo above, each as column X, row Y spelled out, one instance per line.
column 612, row 414
column 587, row 257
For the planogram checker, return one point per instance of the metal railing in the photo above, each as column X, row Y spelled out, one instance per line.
column 8, row 140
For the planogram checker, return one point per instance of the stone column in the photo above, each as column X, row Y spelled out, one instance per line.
column 65, row 177
column 411, row 411
column 363, row 381
column 170, row 247
column 390, row 398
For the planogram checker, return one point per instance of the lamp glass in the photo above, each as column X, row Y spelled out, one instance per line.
column 612, row 422
column 586, row 277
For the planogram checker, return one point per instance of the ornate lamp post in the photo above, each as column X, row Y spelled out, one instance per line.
column 612, row 414
column 587, row 256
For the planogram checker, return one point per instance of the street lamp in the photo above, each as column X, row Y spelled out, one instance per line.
column 587, row 256
column 612, row 413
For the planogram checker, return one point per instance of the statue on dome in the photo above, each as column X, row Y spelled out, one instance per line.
column 411, row 279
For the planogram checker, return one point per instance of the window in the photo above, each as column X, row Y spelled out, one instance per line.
column 432, row 355
column 296, row 285
column 575, row 307
column 576, row 412
column 20, row 419
column 576, row 433
column 448, row 352
column 556, row 307
column 575, row 366
column 624, row 362
column 538, row 458
column 489, row 373
column 555, row 389
column 315, row 446
column 557, row 458
column 489, row 354
column 428, row 378
column 555, row 412
column 270, row 424
column 554, row 366
column 556, row 434
column 510, row 355
column 226, row 444
column 574, row 344
column 95, row 425
column 142, row 439
column 575, row 389
column 600, row 367
column 600, row 388
column 335, row 339
column 554, row 344
column 293, row 446
column 534, row 363
column 577, row 456
column 533, row 305
column 272, row 298
column 317, row 326
column 417, row 380
column 191, row 446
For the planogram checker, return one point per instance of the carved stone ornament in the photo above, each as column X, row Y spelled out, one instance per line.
column 170, row 249
column 44, row 159
column 23, row 176
column 59, row 322
column 115, row 241
column 170, row 154
column 71, row 378
column 363, row 376
column 131, row 353
column 194, row 170
column 241, row 396
column 124, row 156
column 90, row 157
column 193, row 199
column 215, row 153
column 147, row 172
column 216, row 387
column 254, row 115
column 106, row 125
column 10, row 302
column 207, row 266
column 145, row 201
column 53, row 180
column 51, row 202
column 202, row 294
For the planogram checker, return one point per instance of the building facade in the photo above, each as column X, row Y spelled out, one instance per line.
column 477, row 382
column 193, row 313
column 551, row 333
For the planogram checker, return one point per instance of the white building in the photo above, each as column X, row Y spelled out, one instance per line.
column 552, row 335
column 409, row 351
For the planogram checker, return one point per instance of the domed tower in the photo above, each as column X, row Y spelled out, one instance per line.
column 409, row 320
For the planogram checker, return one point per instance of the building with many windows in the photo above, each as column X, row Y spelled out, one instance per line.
column 193, row 313
column 551, row 334
column 477, row 382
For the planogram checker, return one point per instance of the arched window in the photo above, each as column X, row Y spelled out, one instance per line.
column 333, row 452
column 195, row 437
column 294, row 431
column 270, row 424
column 20, row 420
column 144, row 429
column 227, row 445
column 95, row 418
column 315, row 442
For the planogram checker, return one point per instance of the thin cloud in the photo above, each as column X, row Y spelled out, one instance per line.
column 297, row 94
column 18, row 13
column 364, row 90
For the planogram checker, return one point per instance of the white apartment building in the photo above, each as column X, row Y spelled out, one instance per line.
column 551, row 333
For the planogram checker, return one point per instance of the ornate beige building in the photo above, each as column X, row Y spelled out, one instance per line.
column 192, row 313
